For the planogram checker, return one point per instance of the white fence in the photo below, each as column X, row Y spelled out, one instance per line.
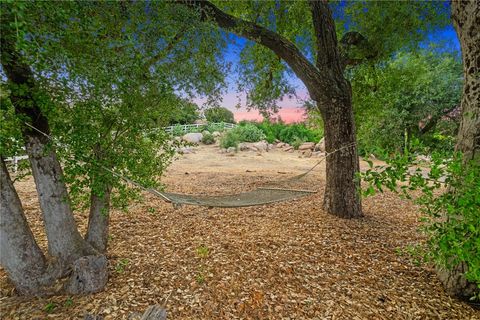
column 196, row 126
column 15, row 160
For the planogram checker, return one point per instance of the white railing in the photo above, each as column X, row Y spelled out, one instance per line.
column 190, row 127
column 15, row 160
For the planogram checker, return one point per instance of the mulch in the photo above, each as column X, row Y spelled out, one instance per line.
column 290, row 260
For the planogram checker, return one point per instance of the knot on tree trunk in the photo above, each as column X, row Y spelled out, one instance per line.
column 89, row 275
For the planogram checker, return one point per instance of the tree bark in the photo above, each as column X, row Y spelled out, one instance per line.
column 19, row 253
column 466, row 20
column 98, row 220
column 342, row 196
column 326, row 85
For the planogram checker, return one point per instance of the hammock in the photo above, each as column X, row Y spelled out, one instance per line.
column 259, row 196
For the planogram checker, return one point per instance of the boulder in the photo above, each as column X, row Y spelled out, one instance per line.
column 185, row 150
column 306, row 146
column 270, row 146
column 231, row 150
column 289, row 148
column 193, row 137
column 307, row 153
column 261, row 145
column 320, row 146
column 280, row 144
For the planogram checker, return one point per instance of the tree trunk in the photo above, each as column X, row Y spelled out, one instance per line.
column 326, row 85
column 342, row 190
column 342, row 196
column 98, row 220
column 466, row 20
column 64, row 241
column 19, row 253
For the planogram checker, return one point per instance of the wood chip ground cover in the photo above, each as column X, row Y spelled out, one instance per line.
column 290, row 260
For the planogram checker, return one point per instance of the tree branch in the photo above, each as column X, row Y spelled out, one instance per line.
column 315, row 79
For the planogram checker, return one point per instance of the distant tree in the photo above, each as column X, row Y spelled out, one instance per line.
column 186, row 112
column 219, row 114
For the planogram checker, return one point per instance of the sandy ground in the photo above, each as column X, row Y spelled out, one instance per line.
column 289, row 260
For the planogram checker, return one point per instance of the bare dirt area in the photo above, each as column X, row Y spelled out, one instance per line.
column 288, row 260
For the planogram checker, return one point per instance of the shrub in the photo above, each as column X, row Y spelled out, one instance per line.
column 229, row 140
column 249, row 133
column 208, row 138
column 212, row 127
column 296, row 143
column 289, row 133
column 449, row 201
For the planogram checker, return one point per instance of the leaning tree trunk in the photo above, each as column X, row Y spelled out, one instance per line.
column 98, row 220
column 466, row 20
column 19, row 253
column 326, row 85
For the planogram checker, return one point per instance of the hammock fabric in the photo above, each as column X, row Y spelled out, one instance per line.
column 255, row 197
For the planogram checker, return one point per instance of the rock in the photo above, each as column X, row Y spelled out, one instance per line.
column 89, row 275
column 306, row 146
column 307, row 153
column 261, row 145
column 280, row 144
column 270, row 146
column 231, row 150
column 185, row 150
column 253, row 148
column 320, row 146
column 243, row 146
column 422, row 158
column 216, row 134
column 285, row 145
column 193, row 137
column 223, row 150
column 318, row 154
column 289, row 148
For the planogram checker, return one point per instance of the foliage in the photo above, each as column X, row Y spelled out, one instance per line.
column 219, row 114
column 449, row 198
column 288, row 133
column 230, row 140
column 212, row 127
column 185, row 112
column 294, row 132
column 388, row 27
column 208, row 138
column 397, row 101
column 109, row 74
column 248, row 133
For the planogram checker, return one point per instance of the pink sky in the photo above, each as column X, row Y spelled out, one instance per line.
column 288, row 115
column 291, row 109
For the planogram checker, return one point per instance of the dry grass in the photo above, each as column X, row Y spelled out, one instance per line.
column 285, row 261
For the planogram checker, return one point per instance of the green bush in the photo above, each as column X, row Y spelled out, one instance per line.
column 249, row 133
column 291, row 132
column 296, row 143
column 449, row 200
column 212, row 127
column 229, row 140
column 208, row 138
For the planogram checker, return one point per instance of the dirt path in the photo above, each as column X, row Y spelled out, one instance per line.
column 284, row 261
